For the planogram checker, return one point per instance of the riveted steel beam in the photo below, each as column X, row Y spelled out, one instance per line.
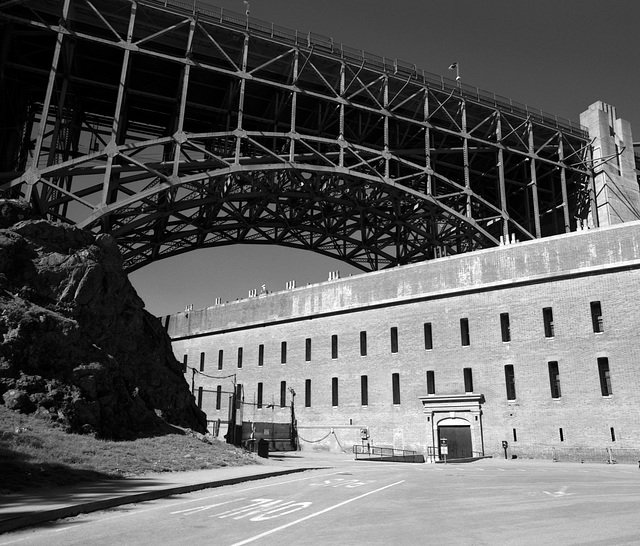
column 174, row 128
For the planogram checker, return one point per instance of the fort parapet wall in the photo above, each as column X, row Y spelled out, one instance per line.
column 579, row 253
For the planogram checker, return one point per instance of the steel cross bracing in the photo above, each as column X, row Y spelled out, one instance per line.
column 174, row 128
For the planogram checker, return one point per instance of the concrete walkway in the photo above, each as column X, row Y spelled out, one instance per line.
column 23, row 510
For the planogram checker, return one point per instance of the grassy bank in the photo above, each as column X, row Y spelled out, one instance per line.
column 34, row 454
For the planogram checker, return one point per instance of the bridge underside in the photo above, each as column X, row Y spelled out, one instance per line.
column 174, row 129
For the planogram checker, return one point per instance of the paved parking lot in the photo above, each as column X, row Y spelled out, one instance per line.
column 486, row 502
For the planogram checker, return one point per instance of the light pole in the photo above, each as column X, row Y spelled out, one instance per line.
column 456, row 66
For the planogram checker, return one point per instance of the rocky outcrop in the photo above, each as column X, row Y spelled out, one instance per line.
column 76, row 345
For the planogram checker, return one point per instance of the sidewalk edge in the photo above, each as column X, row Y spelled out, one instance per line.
column 36, row 518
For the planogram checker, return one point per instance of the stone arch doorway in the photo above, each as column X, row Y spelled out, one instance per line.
column 454, row 416
column 457, row 433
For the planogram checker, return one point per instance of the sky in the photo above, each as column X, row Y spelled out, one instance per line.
column 556, row 55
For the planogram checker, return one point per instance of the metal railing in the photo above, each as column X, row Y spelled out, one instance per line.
column 389, row 454
column 608, row 455
column 434, row 455
column 390, row 66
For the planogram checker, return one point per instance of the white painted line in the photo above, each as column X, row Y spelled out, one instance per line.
column 287, row 481
column 196, row 509
column 253, row 488
column 561, row 493
column 161, row 505
column 267, row 533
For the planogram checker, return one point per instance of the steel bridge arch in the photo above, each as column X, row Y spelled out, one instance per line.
column 314, row 146
column 337, row 243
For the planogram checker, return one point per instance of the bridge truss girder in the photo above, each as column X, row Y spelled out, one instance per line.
column 173, row 130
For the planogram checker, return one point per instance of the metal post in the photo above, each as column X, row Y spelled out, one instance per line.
column 118, row 116
column 534, row 183
column 502, row 182
column 48, row 97
column 563, row 185
column 243, row 83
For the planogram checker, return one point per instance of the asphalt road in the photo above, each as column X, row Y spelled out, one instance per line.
column 373, row 503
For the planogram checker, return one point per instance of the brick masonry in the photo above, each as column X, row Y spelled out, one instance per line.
column 565, row 273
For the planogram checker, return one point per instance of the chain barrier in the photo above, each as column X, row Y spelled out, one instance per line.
column 322, row 439
column 315, row 441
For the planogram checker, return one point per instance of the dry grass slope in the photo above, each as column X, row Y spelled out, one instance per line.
column 34, row 454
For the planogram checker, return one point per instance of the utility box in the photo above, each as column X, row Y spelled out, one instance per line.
column 263, row 448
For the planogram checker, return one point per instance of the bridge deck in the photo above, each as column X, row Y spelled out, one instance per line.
column 173, row 127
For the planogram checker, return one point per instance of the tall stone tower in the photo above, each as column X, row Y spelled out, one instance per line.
column 616, row 178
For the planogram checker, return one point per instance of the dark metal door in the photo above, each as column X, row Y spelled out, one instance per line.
column 458, row 440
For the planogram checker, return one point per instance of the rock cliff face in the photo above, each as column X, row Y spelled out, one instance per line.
column 76, row 345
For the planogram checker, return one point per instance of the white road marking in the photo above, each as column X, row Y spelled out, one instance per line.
column 263, row 509
column 341, row 482
column 202, row 508
column 290, row 507
column 561, row 493
column 181, row 503
column 267, row 533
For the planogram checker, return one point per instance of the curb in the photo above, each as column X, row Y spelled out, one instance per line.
column 36, row 518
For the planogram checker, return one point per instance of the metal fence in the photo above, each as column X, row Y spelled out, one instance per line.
column 608, row 455
column 373, row 453
column 434, row 455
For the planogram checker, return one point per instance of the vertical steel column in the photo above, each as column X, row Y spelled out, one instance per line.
column 465, row 158
column 47, row 100
column 107, row 195
column 294, row 106
column 385, row 82
column 427, row 144
column 73, row 143
column 386, row 155
column 341, row 130
column 65, row 136
column 467, row 179
column 563, row 185
column 593, row 199
column 501, row 181
column 183, row 99
column 534, row 182
column 435, row 232
column 243, row 84
column 51, row 160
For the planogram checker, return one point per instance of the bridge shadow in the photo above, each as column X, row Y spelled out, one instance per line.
column 22, row 473
column 34, row 493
